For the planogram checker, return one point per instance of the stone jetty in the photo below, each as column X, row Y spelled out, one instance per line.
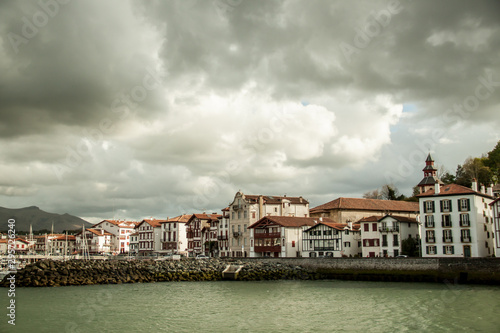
column 49, row 273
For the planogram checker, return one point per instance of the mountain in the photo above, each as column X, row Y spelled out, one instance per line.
column 39, row 220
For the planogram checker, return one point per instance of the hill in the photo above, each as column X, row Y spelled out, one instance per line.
column 39, row 220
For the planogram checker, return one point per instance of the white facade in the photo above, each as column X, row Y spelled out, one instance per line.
column 149, row 236
column 173, row 236
column 97, row 241
column 456, row 222
column 245, row 210
column 331, row 239
column 495, row 205
column 121, row 230
column 223, row 234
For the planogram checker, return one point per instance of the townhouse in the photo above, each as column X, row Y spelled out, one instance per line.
column 63, row 244
column 279, row 236
column 134, row 243
column 246, row 210
column 457, row 221
column 173, row 235
column 330, row 239
column 121, row 230
column 19, row 245
column 149, row 236
column 223, row 233
column 94, row 241
column 201, row 236
column 44, row 243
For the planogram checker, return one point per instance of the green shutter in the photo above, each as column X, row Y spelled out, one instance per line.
column 433, row 207
column 451, row 209
column 468, row 204
column 441, row 205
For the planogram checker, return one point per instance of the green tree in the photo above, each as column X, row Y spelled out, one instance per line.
column 493, row 162
column 410, row 247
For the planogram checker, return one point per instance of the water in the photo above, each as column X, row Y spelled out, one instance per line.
column 268, row 306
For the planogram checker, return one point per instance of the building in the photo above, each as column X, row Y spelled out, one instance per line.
column 496, row 191
column 495, row 206
column 149, row 236
column 173, row 235
column 344, row 210
column 245, row 210
column 63, row 244
column 94, row 241
column 134, row 243
column 279, row 236
column 383, row 236
column 327, row 238
column 44, row 244
column 457, row 221
column 430, row 176
column 20, row 245
column 198, row 229
column 121, row 230
column 223, row 233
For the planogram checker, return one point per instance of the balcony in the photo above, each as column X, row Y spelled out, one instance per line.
column 388, row 229
column 429, row 224
column 237, row 234
column 446, row 224
column 221, row 237
column 465, row 239
column 276, row 248
column 430, row 239
column 447, row 239
column 267, row 235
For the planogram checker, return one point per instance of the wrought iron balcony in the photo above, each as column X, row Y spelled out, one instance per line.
column 276, row 248
column 465, row 239
column 267, row 235
column 430, row 239
column 388, row 229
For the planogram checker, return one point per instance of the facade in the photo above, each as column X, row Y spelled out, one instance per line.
column 121, row 230
column 44, row 243
column 64, row 244
column 134, row 243
column 278, row 236
column 456, row 221
column 328, row 238
column 383, row 236
column 495, row 206
column 223, row 233
column 94, row 241
column 173, row 235
column 149, row 236
column 21, row 246
column 246, row 210
column 198, row 229
column 344, row 210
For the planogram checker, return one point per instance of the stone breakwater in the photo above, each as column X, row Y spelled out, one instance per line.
column 48, row 273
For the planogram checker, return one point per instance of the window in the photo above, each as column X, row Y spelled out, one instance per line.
column 429, row 221
column 396, row 253
column 232, row 215
column 445, row 205
column 244, row 228
column 429, row 207
column 374, row 226
column 239, row 228
column 275, row 209
column 431, row 249
column 253, row 215
column 367, row 227
column 384, row 240
column 239, row 214
column 327, row 232
column 446, row 221
column 464, row 220
column 347, row 244
column 429, row 236
column 245, row 214
column 447, row 236
column 465, row 235
column 464, row 205
column 395, row 240
column 448, row 249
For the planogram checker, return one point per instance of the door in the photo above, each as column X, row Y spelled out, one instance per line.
column 466, row 251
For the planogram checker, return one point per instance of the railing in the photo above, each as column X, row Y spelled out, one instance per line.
column 387, row 229
column 429, row 224
column 267, row 235
column 464, row 223
column 276, row 248
column 222, row 237
column 446, row 224
column 447, row 239
column 430, row 239
column 331, row 248
column 465, row 239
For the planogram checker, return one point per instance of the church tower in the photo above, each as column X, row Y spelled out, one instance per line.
column 430, row 177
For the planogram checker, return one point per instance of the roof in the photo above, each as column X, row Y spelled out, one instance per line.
column 152, row 222
column 452, row 189
column 431, row 180
column 121, row 223
column 496, row 188
column 337, row 226
column 369, row 219
column 98, row 232
column 288, row 221
column 398, row 218
column 273, row 199
column 205, row 216
column 368, row 204
column 68, row 237
column 494, row 201
column 181, row 219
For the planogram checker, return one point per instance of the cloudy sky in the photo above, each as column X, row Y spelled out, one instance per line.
column 131, row 109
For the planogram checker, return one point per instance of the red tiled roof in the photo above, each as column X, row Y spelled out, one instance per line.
column 452, row 189
column 400, row 218
column 205, row 216
column 369, row 219
column 121, row 223
column 181, row 219
column 153, row 222
column 63, row 238
column 289, row 221
column 368, row 204
column 97, row 232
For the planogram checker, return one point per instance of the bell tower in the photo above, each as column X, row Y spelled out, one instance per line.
column 430, row 176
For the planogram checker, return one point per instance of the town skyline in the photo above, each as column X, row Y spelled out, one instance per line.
column 160, row 109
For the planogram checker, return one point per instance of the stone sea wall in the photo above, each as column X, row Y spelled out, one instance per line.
column 79, row 272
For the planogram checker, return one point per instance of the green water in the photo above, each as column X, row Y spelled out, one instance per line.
column 277, row 306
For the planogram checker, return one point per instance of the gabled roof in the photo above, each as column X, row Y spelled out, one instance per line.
column 288, row 221
column 494, row 201
column 400, row 219
column 337, row 226
column 63, row 238
column 204, row 217
column 120, row 223
column 272, row 199
column 368, row 204
column 98, row 232
column 152, row 222
column 179, row 219
column 369, row 219
column 452, row 189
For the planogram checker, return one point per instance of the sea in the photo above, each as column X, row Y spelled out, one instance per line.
column 262, row 306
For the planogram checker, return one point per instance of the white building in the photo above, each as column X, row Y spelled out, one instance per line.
column 173, row 235
column 457, row 221
column 279, row 236
column 149, row 236
column 328, row 238
column 223, row 234
column 245, row 210
column 383, row 236
column 134, row 243
column 94, row 241
column 495, row 205
column 121, row 230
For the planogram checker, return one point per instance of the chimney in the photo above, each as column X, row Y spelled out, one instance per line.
column 474, row 184
column 102, row 231
column 490, row 190
column 300, row 199
column 321, row 219
column 261, row 206
column 483, row 189
column 437, row 187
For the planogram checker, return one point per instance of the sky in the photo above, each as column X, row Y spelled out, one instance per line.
column 131, row 109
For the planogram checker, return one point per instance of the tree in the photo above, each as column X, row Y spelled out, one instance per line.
column 375, row 194
column 410, row 247
column 448, row 178
column 391, row 192
column 493, row 162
